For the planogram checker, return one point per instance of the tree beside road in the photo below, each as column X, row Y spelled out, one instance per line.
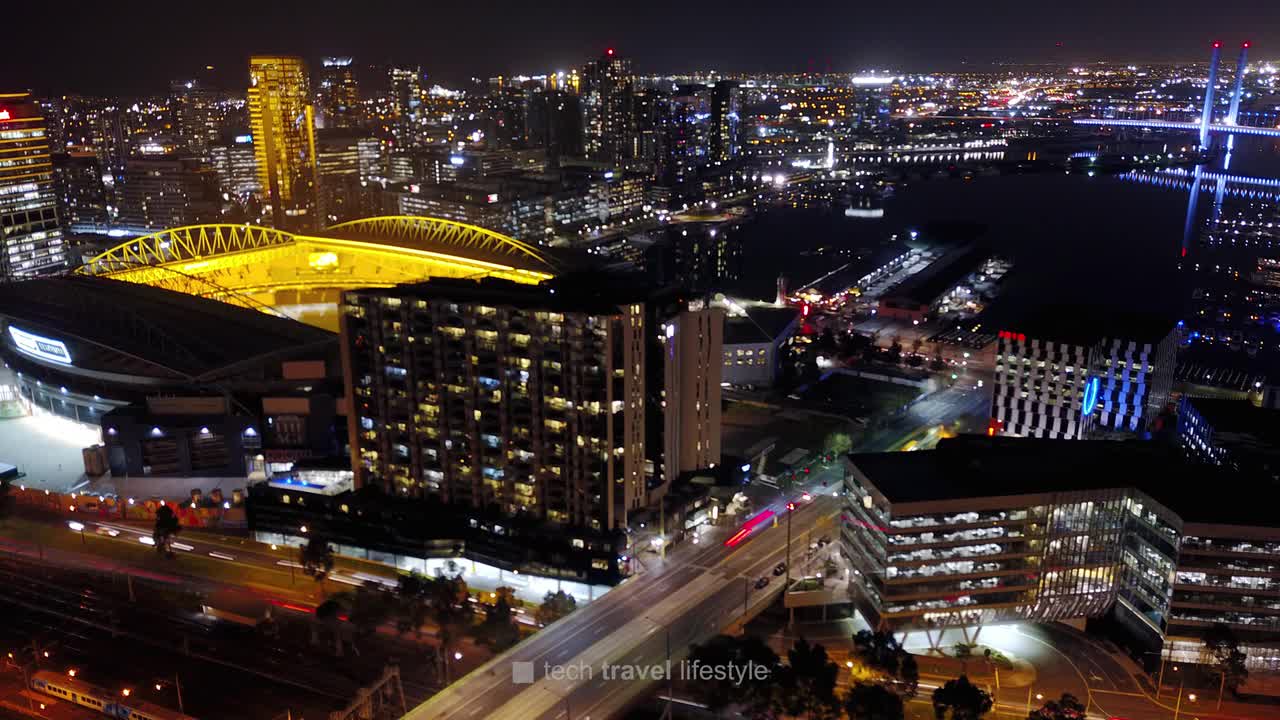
column 166, row 527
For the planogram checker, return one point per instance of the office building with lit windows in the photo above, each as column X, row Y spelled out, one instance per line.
column 755, row 342
column 1075, row 372
column 337, row 94
column 1230, row 433
column 693, row 340
column 725, row 103
column 606, row 104
column 283, row 126
column 235, row 162
column 518, row 409
column 341, row 191
column 202, row 113
column 988, row 530
column 505, row 428
column 525, row 399
column 166, row 191
column 31, row 242
column 82, row 198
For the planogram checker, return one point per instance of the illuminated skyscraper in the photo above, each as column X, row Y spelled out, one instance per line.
column 202, row 113
column 29, row 232
column 337, row 94
column 164, row 191
column 280, row 115
column 606, row 102
column 406, row 102
column 724, row 120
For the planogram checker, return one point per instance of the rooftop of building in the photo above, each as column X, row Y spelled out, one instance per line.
column 973, row 466
column 941, row 275
column 1082, row 324
column 1240, row 424
column 575, row 293
column 868, row 260
column 190, row 336
column 760, row 325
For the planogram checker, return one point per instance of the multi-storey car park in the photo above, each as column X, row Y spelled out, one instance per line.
column 1077, row 372
column 996, row 530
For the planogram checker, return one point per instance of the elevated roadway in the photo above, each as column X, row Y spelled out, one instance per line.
column 692, row 595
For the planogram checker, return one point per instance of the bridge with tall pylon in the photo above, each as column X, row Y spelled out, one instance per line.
column 302, row 275
column 1206, row 126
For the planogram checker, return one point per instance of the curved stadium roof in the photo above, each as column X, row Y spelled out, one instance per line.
column 126, row 332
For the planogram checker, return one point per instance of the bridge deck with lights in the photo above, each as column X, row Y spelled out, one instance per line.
column 1182, row 125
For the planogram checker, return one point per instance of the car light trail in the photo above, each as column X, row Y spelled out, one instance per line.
column 221, row 556
column 750, row 525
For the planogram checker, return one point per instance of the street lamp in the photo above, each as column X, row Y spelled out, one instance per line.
column 71, row 672
column 1039, row 698
column 786, row 583
column 1177, row 707
column 125, row 692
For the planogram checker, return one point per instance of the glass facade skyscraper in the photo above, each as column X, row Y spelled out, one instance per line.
column 281, row 118
column 28, row 204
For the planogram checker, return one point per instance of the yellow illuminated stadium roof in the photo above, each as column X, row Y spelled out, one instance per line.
column 302, row 275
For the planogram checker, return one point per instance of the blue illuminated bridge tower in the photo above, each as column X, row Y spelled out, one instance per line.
column 1205, row 126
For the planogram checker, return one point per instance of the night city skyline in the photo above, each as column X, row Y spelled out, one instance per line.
column 640, row 361
column 456, row 43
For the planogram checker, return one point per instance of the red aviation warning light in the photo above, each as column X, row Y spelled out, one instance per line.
column 609, row 52
column 1246, row 45
column 1216, row 44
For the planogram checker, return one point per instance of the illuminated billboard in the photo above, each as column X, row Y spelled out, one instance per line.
column 40, row 347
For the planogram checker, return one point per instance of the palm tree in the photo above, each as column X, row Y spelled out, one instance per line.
column 316, row 558
column 165, row 528
column 960, row 699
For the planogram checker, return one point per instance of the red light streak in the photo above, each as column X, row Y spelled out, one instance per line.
column 291, row 606
column 747, row 527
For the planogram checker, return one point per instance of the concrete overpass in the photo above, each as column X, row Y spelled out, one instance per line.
column 698, row 591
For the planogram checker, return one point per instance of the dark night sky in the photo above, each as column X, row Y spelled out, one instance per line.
column 138, row 46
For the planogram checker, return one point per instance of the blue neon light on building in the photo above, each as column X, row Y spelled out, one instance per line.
column 1091, row 387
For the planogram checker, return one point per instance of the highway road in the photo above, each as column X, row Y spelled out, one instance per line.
column 691, row 596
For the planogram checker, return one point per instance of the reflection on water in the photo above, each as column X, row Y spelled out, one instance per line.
column 1228, row 253
column 1196, row 244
